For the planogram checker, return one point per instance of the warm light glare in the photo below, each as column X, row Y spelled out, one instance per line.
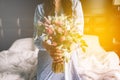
column 116, row 2
column 102, row 20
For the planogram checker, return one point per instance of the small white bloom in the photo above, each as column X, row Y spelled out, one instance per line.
column 68, row 27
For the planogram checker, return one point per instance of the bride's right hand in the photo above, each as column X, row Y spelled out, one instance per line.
column 55, row 53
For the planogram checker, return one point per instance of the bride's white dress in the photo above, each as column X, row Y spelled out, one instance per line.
column 96, row 63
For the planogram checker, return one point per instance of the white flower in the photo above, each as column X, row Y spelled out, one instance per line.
column 68, row 27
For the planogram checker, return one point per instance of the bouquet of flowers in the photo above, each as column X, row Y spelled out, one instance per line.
column 63, row 31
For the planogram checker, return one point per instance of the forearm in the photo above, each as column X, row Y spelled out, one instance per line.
column 38, row 30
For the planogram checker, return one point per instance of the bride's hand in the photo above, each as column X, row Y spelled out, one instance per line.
column 47, row 26
column 56, row 54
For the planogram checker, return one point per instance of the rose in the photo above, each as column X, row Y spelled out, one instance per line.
column 62, row 38
column 48, row 30
column 60, row 30
column 58, row 23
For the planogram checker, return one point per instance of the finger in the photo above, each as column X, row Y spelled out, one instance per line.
column 46, row 45
column 56, row 51
column 57, row 58
column 58, row 61
column 56, row 55
column 48, row 22
column 40, row 23
column 45, row 42
column 59, row 51
column 54, row 44
column 46, row 25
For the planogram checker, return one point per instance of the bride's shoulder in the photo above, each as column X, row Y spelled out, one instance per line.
column 40, row 8
column 75, row 3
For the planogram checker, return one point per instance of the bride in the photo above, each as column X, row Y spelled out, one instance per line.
column 46, row 56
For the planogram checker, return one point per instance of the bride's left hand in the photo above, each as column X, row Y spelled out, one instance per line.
column 55, row 53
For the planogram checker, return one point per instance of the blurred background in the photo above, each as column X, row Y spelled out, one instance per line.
column 102, row 18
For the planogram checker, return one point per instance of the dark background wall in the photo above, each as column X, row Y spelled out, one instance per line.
column 16, row 20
